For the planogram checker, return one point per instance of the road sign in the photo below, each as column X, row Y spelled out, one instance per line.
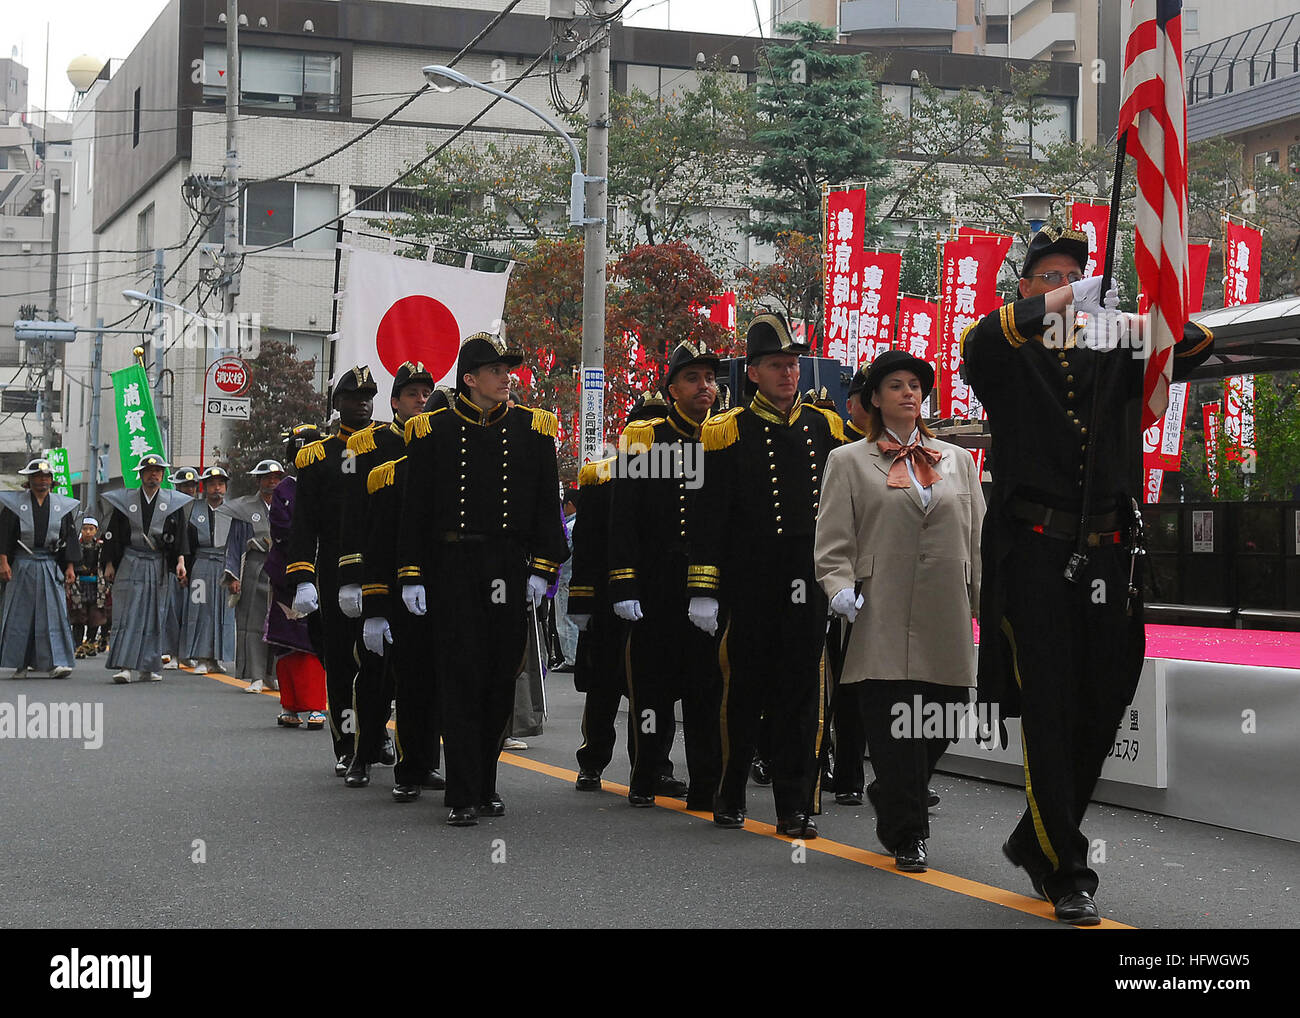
column 54, row 332
column 230, row 376
column 235, row 409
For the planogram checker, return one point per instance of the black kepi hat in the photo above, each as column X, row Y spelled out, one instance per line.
column 770, row 333
column 480, row 349
column 687, row 353
column 897, row 360
column 1050, row 240
column 410, row 371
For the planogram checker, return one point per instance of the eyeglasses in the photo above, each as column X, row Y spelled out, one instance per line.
column 1056, row 278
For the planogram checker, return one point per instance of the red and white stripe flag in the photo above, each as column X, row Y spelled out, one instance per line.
column 1153, row 113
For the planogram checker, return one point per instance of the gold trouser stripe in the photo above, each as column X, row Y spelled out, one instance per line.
column 821, row 731
column 397, row 738
column 356, row 715
column 1039, row 828
column 724, row 666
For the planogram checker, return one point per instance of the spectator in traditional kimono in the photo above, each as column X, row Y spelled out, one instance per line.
column 208, row 622
column 246, row 552
column 38, row 535
column 186, row 481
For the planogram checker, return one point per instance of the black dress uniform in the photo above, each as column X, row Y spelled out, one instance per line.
column 1064, row 657
column 325, row 484
column 666, row 658
column 753, row 550
column 480, row 514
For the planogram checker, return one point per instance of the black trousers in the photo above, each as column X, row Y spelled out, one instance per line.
column 850, row 737
column 372, row 698
column 771, row 663
column 479, row 640
column 1077, row 656
column 418, row 729
column 338, row 637
column 902, row 758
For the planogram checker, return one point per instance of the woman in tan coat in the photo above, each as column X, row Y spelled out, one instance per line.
column 897, row 552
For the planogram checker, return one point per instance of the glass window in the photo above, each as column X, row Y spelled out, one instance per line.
column 268, row 213
column 275, row 78
column 144, row 239
column 315, row 204
column 1191, row 20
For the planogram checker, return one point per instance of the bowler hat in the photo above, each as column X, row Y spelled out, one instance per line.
column 897, row 360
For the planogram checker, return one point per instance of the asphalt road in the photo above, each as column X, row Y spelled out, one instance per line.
column 198, row 811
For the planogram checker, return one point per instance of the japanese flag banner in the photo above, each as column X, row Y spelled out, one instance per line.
column 400, row 309
column 1242, row 248
column 138, row 433
column 846, row 213
column 1092, row 221
column 880, row 272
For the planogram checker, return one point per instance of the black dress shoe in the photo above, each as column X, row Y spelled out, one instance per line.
column 1078, row 909
column 909, row 856
column 388, row 756
column 406, row 793
column 848, row 798
column 800, row 825
column 673, row 787
column 1017, row 860
column 357, row 776
column 759, row 772
column 588, row 781
column 433, row 780
column 932, row 797
column 641, row 799
column 729, row 820
column 341, row 765
column 493, row 807
column 462, row 818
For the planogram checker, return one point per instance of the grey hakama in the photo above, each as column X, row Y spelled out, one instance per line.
column 143, row 581
column 246, row 559
column 208, row 619
column 34, row 629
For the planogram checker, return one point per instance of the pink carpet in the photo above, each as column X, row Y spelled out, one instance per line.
column 1258, row 647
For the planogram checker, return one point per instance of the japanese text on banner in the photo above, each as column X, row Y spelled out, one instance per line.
column 880, row 272
column 138, row 433
column 846, row 213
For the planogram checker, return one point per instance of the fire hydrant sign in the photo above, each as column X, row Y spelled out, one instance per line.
column 230, row 376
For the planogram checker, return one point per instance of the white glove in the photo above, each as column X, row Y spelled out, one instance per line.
column 350, row 600
column 629, row 610
column 374, row 634
column 1088, row 298
column 703, row 613
column 581, row 621
column 844, row 603
column 413, row 598
column 305, row 599
column 536, row 590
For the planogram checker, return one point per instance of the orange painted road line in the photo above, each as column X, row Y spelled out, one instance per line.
column 851, row 853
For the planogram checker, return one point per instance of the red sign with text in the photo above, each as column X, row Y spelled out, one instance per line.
column 1243, row 248
column 880, row 272
column 846, row 213
column 1094, row 222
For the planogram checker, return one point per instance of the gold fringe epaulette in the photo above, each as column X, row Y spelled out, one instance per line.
column 596, row 472
column 362, row 441
column 420, row 425
column 639, row 435
column 721, row 430
column 834, row 420
column 309, row 454
column 383, row 475
column 545, row 422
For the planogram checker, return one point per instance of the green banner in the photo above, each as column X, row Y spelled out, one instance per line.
column 62, row 480
column 138, row 433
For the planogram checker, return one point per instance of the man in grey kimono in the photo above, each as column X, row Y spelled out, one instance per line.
column 145, row 543
column 38, row 535
column 246, row 574
column 186, row 481
column 208, row 622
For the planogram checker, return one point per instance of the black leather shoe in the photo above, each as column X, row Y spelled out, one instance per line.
column 494, row 807
column 341, row 765
column 800, row 825
column 759, row 772
column 406, row 793
column 433, row 780
column 462, row 818
column 588, row 781
column 1078, row 909
column 1018, row 861
column 389, row 755
column 729, row 820
column 357, row 776
column 910, row 855
column 673, row 787
column 848, row 798
column 640, row 799
column 932, row 797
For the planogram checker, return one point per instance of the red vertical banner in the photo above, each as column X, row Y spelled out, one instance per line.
column 1239, row 415
column 1162, row 443
column 880, row 272
column 1094, row 222
column 1242, row 250
column 846, row 213
column 1198, row 263
column 918, row 334
column 967, row 288
column 721, row 310
column 1210, row 417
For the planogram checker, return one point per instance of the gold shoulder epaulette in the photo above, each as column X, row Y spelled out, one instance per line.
column 639, row 434
column 309, row 454
column 544, row 421
column 420, row 425
column 596, row 472
column 835, row 421
column 721, row 430
column 383, row 475
column 362, row 441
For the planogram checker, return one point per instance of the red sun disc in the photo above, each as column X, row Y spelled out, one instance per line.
column 418, row 328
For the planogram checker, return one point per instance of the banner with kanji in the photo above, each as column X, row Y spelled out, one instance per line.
column 1198, row 264
column 1239, row 416
column 880, row 272
column 138, row 433
column 918, row 334
column 967, row 290
column 1242, row 249
column 1210, row 417
column 721, row 310
column 1162, row 443
column 846, row 213
column 62, row 475
column 1093, row 221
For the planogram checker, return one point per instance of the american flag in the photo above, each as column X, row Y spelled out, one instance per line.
column 1153, row 112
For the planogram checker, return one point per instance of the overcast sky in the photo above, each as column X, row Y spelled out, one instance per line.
column 111, row 28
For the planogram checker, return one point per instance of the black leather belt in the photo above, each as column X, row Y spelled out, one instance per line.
column 1064, row 524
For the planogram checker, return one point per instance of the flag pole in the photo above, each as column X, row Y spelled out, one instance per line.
column 1080, row 557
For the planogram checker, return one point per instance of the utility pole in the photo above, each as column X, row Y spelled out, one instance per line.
column 230, row 243
column 159, row 346
column 594, row 247
column 49, row 354
column 92, row 459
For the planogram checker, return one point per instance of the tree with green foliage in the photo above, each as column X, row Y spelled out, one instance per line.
column 1273, row 473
